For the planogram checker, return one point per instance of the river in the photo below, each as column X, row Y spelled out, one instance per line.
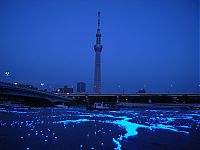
column 80, row 129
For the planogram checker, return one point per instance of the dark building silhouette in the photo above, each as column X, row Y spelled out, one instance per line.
column 66, row 89
column 142, row 90
column 97, row 70
column 81, row 87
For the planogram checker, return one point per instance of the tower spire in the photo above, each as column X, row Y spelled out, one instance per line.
column 98, row 34
column 99, row 20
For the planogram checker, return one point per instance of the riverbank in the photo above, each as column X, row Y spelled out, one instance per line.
column 158, row 106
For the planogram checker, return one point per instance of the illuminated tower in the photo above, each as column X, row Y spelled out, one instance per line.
column 97, row 70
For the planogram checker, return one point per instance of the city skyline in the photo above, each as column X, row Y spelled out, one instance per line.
column 146, row 44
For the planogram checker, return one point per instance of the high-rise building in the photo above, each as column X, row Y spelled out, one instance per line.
column 97, row 70
column 81, row 87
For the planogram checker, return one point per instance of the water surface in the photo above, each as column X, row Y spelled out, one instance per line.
column 77, row 128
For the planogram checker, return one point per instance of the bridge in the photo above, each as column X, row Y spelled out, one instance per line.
column 137, row 97
column 9, row 91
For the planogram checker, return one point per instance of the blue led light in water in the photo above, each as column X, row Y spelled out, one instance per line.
column 128, row 121
column 131, row 128
column 118, row 144
column 167, row 127
column 73, row 121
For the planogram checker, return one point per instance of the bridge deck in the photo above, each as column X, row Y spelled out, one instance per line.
column 11, row 89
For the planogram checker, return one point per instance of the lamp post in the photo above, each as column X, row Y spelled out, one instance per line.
column 7, row 73
column 119, row 88
column 122, row 90
column 42, row 85
column 171, row 87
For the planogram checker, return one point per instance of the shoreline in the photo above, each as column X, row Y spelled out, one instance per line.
column 159, row 106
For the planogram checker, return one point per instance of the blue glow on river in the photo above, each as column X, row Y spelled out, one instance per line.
column 118, row 144
column 131, row 128
column 168, row 127
column 49, row 127
column 74, row 121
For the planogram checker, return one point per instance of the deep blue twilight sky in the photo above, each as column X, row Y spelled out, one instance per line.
column 151, row 43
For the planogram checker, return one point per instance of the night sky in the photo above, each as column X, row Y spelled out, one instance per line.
column 146, row 43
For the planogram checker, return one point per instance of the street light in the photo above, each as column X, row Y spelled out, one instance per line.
column 198, row 86
column 119, row 88
column 42, row 85
column 7, row 73
column 171, row 86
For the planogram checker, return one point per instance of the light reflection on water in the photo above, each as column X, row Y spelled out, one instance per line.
column 62, row 128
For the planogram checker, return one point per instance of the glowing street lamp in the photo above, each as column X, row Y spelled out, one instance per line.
column 42, row 85
column 7, row 73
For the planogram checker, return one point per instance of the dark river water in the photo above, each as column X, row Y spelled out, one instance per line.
column 77, row 128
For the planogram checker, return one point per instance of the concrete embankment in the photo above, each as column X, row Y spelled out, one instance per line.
column 159, row 106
